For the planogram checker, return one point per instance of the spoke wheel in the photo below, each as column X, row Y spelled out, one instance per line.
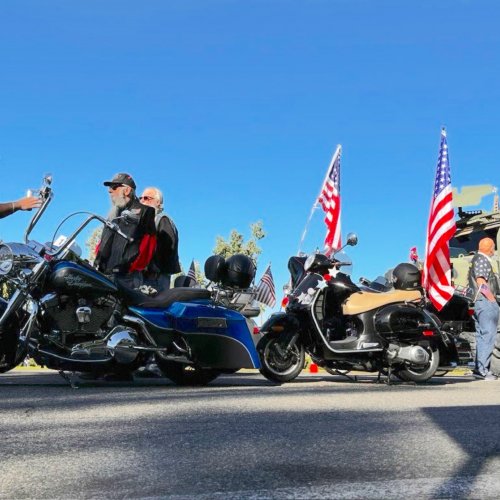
column 10, row 353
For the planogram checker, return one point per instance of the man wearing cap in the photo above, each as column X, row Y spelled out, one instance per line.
column 125, row 259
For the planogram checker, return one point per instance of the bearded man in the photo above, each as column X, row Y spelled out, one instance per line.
column 123, row 259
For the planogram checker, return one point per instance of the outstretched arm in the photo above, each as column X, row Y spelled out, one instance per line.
column 26, row 203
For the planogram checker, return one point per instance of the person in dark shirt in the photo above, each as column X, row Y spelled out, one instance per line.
column 483, row 282
column 123, row 259
column 27, row 203
column 165, row 262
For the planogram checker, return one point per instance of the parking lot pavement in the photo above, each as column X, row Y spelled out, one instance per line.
column 243, row 437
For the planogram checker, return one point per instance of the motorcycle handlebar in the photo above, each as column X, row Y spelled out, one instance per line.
column 340, row 264
column 114, row 227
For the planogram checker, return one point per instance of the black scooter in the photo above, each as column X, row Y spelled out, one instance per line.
column 343, row 327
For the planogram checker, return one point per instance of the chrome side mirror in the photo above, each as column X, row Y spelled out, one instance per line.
column 352, row 239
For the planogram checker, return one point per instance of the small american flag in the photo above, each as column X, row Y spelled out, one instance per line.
column 329, row 199
column 266, row 293
column 192, row 271
column 436, row 277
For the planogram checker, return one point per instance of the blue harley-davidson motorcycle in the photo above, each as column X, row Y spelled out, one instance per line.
column 69, row 317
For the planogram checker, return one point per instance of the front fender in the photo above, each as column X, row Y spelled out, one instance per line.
column 280, row 325
column 280, row 322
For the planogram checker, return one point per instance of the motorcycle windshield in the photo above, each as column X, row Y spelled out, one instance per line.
column 343, row 257
column 307, row 287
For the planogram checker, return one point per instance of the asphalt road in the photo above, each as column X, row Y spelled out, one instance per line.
column 242, row 437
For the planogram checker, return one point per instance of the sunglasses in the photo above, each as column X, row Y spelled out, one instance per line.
column 114, row 187
column 146, row 198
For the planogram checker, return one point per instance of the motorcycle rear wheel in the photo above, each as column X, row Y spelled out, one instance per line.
column 184, row 374
column 419, row 374
column 275, row 366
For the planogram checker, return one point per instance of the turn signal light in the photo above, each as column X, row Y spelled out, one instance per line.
column 427, row 333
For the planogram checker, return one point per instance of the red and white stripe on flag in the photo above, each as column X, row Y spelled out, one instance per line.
column 329, row 199
column 192, row 271
column 436, row 277
column 266, row 293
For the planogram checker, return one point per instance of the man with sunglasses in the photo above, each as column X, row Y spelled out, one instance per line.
column 125, row 260
column 166, row 258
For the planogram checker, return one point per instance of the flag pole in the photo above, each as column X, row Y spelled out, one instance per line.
column 315, row 205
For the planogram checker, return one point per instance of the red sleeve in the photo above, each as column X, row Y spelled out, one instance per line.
column 146, row 250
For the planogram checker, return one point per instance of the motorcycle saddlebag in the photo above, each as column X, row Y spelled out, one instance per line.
column 399, row 319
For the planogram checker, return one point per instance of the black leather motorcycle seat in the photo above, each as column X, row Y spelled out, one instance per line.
column 360, row 302
column 165, row 298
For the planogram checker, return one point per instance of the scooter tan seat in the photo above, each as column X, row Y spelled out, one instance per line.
column 361, row 302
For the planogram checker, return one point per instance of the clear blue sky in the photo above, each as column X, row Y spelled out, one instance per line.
column 234, row 109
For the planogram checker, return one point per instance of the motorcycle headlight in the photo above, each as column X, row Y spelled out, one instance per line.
column 6, row 260
column 316, row 261
column 309, row 262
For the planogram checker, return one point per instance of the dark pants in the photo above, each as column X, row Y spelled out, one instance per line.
column 159, row 282
column 130, row 280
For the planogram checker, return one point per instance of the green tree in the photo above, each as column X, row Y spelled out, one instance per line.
column 92, row 241
column 236, row 242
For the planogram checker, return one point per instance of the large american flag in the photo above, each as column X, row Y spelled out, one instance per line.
column 329, row 199
column 436, row 277
column 266, row 293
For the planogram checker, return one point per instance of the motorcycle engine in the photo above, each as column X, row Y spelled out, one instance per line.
column 76, row 317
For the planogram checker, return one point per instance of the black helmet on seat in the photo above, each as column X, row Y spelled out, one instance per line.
column 215, row 268
column 240, row 271
column 406, row 277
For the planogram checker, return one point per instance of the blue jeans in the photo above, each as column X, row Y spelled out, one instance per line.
column 486, row 320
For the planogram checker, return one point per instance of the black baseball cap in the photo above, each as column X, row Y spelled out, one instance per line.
column 121, row 178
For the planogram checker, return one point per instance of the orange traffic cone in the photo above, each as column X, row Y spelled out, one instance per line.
column 313, row 368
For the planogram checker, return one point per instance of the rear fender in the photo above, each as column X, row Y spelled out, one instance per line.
column 448, row 353
column 445, row 342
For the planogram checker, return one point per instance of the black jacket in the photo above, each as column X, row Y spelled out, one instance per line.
column 166, row 257
column 116, row 254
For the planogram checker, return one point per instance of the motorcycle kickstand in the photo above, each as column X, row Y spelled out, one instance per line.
column 387, row 380
column 69, row 378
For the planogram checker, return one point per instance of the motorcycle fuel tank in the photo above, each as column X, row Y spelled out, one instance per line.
column 68, row 277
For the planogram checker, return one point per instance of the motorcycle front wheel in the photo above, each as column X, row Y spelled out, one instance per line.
column 11, row 353
column 184, row 374
column 279, row 366
column 415, row 373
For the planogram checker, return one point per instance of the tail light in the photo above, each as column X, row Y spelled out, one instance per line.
column 256, row 330
column 285, row 302
column 471, row 312
column 428, row 333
